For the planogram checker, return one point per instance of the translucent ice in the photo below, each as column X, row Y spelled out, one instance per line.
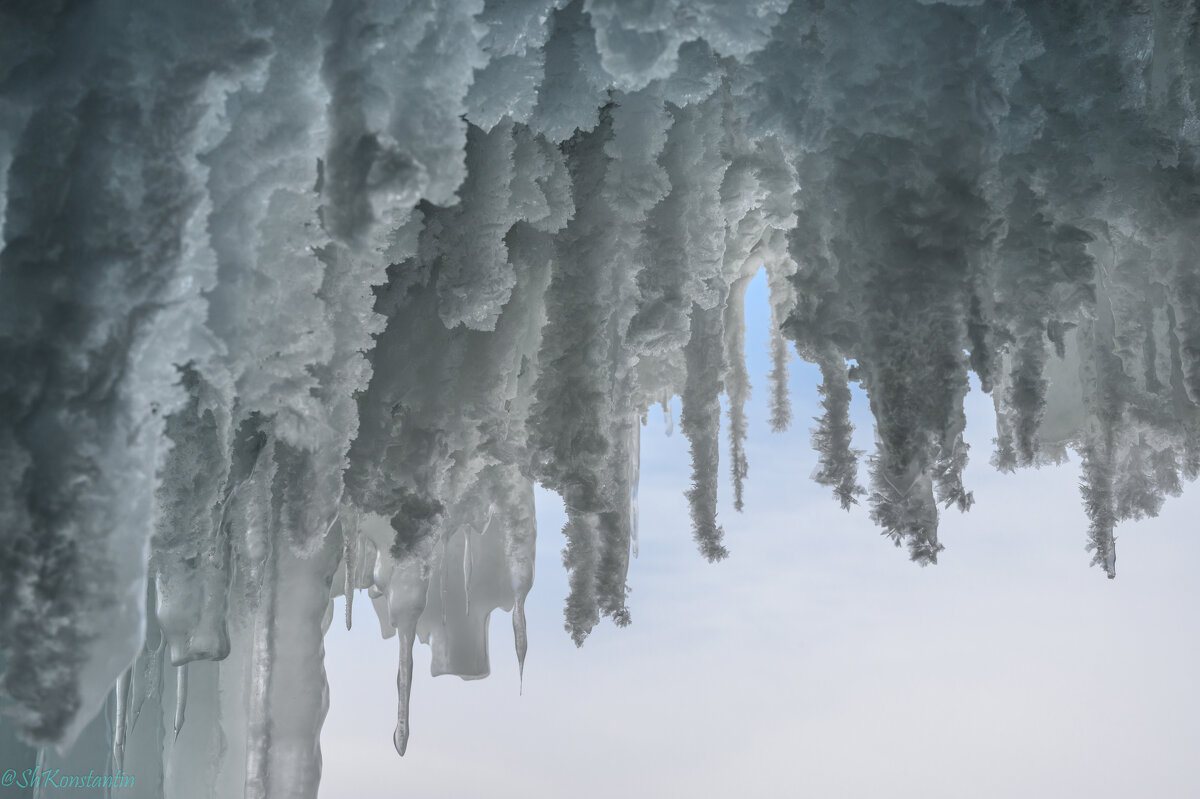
column 301, row 300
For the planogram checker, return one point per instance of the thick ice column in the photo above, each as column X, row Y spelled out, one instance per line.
column 288, row 692
column 83, row 432
column 298, row 695
column 455, row 620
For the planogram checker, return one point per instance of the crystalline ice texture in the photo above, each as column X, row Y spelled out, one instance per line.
column 300, row 300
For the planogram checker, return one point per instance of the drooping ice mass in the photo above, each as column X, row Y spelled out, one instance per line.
column 299, row 300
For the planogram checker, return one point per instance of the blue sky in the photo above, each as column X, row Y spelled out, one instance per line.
column 817, row 660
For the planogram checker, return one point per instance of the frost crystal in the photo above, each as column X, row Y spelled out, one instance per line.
column 300, row 300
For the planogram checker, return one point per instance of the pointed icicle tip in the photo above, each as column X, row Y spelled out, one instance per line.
column 121, row 720
column 400, row 740
column 152, row 676
column 181, row 692
column 520, row 638
column 404, row 689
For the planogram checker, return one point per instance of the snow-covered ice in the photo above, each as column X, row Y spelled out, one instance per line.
column 299, row 300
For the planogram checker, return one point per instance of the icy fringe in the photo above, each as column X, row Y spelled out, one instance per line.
column 301, row 300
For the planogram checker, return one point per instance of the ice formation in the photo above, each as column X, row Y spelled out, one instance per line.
column 300, row 299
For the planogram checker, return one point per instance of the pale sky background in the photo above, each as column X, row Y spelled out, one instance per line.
column 817, row 661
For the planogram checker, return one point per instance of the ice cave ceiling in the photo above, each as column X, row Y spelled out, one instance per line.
column 301, row 299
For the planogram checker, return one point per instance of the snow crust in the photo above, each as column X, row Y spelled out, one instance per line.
column 300, row 300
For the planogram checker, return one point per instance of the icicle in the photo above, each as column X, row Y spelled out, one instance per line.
column 39, row 768
column 440, row 550
column 737, row 386
column 379, row 605
column 701, row 423
column 520, row 637
column 837, row 461
column 258, row 732
column 530, row 266
column 466, row 563
column 349, row 517
column 404, row 674
column 181, row 690
column 635, row 466
column 520, row 535
column 121, row 718
column 406, row 594
column 781, row 404
column 152, row 677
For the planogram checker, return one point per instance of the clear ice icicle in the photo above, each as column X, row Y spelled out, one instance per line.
column 520, row 636
column 302, row 285
column 151, row 679
column 404, row 673
column 121, row 718
column 635, row 468
column 467, row 571
column 181, row 692
column 258, row 732
column 406, row 597
column 349, row 521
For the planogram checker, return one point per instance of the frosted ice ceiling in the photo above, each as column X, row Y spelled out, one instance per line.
column 300, row 299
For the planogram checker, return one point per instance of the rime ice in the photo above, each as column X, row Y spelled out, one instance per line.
column 301, row 301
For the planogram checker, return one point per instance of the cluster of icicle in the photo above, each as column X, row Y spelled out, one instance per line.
column 301, row 299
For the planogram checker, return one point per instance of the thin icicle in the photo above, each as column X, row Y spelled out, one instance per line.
column 152, row 678
column 404, row 673
column 837, row 461
column 121, row 718
column 181, row 691
column 440, row 556
column 520, row 637
column 407, row 589
column 466, row 564
column 349, row 518
column 781, row 402
column 737, row 387
column 520, row 535
column 39, row 768
column 635, row 467
column 403, row 691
